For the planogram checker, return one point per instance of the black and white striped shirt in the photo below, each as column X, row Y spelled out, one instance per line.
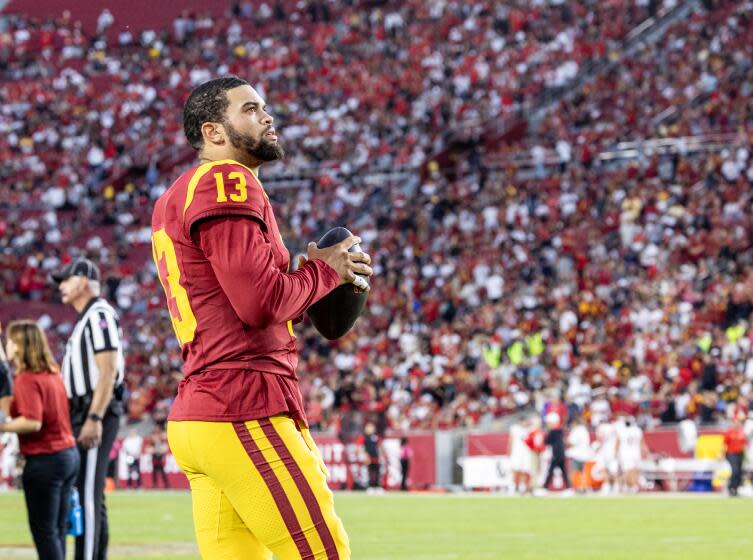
column 96, row 330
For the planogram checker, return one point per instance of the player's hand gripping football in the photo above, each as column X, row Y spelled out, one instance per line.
column 348, row 265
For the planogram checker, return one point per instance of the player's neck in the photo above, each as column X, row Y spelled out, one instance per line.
column 252, row 165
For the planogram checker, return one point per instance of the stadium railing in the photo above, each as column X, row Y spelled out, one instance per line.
column 625, row 150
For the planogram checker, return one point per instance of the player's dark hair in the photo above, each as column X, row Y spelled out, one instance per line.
column 207, row 103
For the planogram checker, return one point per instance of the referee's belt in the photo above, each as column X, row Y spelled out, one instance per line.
column 83, row 402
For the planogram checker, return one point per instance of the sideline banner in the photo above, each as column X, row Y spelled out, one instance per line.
column 348, row 471
column 486, row 465
column 175, row 477
column 345, row 465
column 663, row 442
column 486, row 471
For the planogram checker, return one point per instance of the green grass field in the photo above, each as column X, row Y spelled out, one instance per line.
column 444, row 527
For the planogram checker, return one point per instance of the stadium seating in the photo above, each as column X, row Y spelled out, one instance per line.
column 540, row 266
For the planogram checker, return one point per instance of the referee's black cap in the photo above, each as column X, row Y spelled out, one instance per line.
column 79, row 267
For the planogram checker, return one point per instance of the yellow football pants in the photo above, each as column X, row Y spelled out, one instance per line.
column 258, row 487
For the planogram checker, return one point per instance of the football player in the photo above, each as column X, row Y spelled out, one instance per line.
column 237, row 427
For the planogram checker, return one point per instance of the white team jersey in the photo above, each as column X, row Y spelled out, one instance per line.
column 521, row 456
column 630, row 438
column 606, row 434
column 579, row 442
column 132, row 445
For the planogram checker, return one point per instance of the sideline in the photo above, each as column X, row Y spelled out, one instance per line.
column 156, row 550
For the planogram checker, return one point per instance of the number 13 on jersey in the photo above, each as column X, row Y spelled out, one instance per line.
column 181, row 314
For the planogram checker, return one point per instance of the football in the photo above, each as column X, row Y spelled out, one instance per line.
column 337, row 312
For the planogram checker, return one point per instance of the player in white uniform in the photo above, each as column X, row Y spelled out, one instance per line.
column 631, row 448
column 580, row 452
column 521, row 457
column 606, row 455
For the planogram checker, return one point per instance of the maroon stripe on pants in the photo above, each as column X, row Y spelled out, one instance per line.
column 315, row 511
column 278, row 492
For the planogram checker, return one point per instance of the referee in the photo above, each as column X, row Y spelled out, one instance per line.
column 93, row 370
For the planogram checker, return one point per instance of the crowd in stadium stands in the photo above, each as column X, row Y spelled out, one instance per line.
column 699, row 76
column 343, row 81
column 628, row 288
column 696, row 80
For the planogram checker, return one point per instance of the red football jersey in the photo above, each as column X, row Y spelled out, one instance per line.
column 223, row 266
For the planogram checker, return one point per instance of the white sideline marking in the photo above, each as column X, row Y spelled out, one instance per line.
column 127, row 550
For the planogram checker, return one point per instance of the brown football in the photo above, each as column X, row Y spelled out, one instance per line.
column 337, row 312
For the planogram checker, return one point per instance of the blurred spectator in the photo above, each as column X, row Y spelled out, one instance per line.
column 112, row 465
column 735, row 443
column 536, row 442
column 406, row 456
column 371, row 451
column 132, row 448
column 555, row 439
column 631, row 449
column 157, row 448
column 521, row 456
column 580, row 452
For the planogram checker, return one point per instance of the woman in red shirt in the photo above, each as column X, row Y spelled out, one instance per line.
column 735, row 442
column 39, row 412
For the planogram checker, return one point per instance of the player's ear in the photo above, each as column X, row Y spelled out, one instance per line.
column 213, row 133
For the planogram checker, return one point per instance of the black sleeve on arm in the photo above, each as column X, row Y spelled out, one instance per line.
column 6, row 381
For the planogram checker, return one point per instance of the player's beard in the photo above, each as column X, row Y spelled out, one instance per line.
column 261, row 149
